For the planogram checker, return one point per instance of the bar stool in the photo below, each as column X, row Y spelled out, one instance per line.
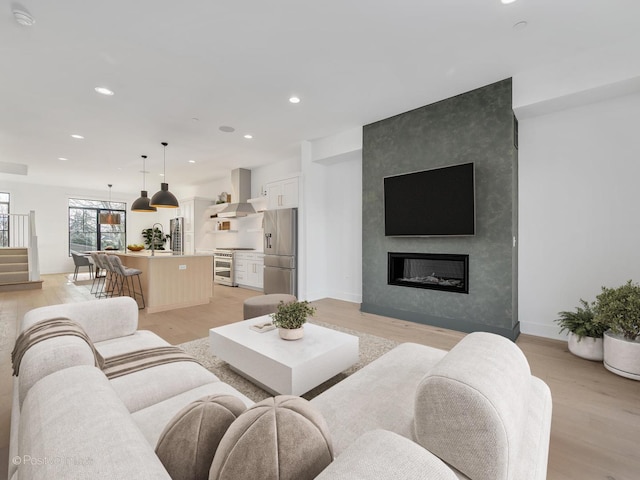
column 99, row 277
column 110, row 281
column 125, row 275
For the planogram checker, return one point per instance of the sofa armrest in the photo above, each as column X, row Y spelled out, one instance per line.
column 472, row 408
column 101, row 319
column 384, row 455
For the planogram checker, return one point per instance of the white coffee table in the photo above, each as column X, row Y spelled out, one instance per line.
column 286, row 367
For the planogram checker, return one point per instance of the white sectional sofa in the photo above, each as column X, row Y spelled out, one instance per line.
column 415, row 413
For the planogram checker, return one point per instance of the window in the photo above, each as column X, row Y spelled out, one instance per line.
column 4, row 219
column 85, row 231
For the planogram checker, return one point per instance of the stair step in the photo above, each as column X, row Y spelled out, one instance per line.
column 17, row 286
column 13, row 277
column 14, row 258
column 14, row 267
column 13, row 251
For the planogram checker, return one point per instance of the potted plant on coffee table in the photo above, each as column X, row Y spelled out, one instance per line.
column 619, row 308
column 291, row 317
column 585, row 334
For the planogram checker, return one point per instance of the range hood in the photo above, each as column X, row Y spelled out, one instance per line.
column 240, row 190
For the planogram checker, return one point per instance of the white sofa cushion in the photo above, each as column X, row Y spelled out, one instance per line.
column 140, row 340
column 74, row 426
column 152, row 420
column 471, row 408
column 384, row 455
column 147, row 387
column 379, row 396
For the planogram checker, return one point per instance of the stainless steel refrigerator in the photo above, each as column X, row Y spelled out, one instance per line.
column 280, row 251
column 176, row 227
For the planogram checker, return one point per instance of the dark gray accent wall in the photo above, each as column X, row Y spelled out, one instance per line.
column 476, row 126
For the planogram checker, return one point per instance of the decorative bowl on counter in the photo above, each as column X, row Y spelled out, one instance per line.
column 135, row 248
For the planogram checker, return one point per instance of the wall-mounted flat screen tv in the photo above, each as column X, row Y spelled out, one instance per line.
column 437, row 202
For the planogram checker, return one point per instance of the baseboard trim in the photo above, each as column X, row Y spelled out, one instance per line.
column 459, row 325
column 542, row 330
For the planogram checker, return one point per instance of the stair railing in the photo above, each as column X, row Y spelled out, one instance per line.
column 34, row 261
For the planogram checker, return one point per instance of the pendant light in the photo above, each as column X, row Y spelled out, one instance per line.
column 164, row 198
column 141, row 204
column 110, row 218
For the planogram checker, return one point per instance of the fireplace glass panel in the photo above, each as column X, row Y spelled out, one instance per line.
column 433, row 271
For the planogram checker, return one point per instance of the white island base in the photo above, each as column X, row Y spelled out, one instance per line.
column 280, row 366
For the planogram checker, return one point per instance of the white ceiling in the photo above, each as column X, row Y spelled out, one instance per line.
column 181, row 69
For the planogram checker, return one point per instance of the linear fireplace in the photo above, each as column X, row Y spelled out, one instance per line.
column 434, row 271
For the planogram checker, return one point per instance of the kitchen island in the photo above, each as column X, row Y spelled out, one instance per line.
column 171, row 281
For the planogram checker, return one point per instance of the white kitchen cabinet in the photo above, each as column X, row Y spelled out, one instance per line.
column 248, row 268
column 283, row 193
column 194, row 212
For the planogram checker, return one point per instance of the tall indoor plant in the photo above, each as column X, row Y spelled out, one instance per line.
column 290, row 318
column 585, row 334
column 619, row 308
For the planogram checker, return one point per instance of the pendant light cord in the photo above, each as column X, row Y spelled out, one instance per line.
column 144, row 169
column 164, row 160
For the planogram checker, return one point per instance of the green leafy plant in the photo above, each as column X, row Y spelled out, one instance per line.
column 619, row 309
column 581, row 322
column 293, row 314
column 156, row 235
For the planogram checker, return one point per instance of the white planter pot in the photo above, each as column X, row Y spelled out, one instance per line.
column 291, row 333
column 622, row 356
column 586, row 347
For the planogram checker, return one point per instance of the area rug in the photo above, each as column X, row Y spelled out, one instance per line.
column 371, row 347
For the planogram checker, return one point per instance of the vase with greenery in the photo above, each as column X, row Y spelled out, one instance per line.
column 585, row 334
column 290, row 318
column 619, row 309
column 155, row 234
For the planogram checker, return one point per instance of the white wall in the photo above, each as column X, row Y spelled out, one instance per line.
column 51, row 206
column 332, row 232
column 344, row 229
column 578, row 207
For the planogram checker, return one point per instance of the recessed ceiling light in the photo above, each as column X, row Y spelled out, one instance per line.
column 104, row 91
column 75, row 135
column 248, row 136
column 520, row 25
column 63, row 159
column 507, row 2
column 226, row 129
column 294, row 100
column 192, row 161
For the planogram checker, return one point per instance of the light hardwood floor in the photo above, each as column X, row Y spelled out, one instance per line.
column 595, row 430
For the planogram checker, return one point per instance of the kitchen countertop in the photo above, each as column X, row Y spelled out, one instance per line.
column 158, row 254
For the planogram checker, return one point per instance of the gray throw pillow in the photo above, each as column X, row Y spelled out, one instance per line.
column 189, row 441
column 279, row 438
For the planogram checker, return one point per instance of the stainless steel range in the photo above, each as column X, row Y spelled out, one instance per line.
column 223, row 260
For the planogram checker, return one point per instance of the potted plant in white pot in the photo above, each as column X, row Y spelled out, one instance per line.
column 585, row 334
column 291, row 317
column 619, row 308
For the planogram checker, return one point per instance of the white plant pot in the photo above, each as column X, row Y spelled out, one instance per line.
column 291, row 333
column 622, row 356
column 586, row 347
